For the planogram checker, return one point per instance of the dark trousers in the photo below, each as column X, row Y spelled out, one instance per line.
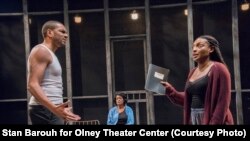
column 41, row 115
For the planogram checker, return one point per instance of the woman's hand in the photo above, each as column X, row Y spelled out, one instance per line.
column 166, row 84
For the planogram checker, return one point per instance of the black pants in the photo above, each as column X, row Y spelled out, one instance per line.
column 41, row 115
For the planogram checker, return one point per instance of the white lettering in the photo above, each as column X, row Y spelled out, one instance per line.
column 82, row 132
column 223, row 132
column 29, row 132
column 8, row 132
column 178, row 132
column 142, row 132
column 109, row 132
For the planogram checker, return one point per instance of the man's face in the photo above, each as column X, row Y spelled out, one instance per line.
column 60, row 36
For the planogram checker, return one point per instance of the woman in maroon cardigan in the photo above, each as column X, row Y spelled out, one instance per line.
column 207, row 95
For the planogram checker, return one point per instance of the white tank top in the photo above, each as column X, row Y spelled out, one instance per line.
column 52, row 81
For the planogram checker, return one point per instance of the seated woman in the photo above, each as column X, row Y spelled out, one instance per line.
column 121, row 114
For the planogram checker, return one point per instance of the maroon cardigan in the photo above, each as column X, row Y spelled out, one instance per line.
column 217, row 99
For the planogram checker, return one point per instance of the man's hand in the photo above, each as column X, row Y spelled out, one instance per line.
column 65, row 112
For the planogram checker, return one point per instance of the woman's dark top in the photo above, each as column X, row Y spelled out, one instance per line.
column 196, row 91
column 122, row 118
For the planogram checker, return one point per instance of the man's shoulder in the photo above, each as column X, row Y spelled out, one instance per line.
column 39, row 47
column 40, row 53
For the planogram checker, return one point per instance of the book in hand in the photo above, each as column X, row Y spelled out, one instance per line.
column 155, row 75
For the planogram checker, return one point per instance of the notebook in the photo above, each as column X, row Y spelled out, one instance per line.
column 155, row 75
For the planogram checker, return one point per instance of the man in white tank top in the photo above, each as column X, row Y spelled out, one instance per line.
column 45, row 78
